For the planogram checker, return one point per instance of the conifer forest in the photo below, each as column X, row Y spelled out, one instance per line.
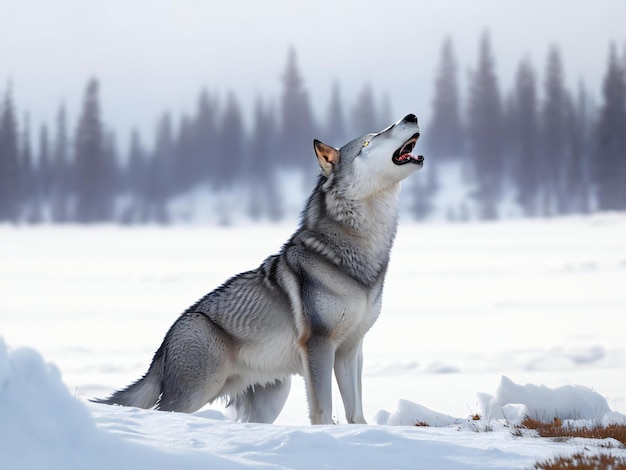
column 541, row 146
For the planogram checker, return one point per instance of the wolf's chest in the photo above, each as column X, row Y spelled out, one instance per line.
column 339, row 307
column 360, row 313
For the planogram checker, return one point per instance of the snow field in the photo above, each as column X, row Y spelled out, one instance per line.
column 540, row 302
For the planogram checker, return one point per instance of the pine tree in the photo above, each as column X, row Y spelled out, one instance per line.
column 9, row 162
column 297, row 124
column 384, row 116
column 445, row 133
column 524, row 137
column 579, row 149
column 61, row 172
column 29, row 182
column 485, row 129
column 261, row 168
column 136, row 177
column 93, row 170
column 161, row 166
column 423, row 190
column 204, row 146
column 364, row 114
column 44, row 166
column 187, row 164
column 335, row 129
column 113, row 184
column 233, row 157
column 610, row 168
column 555, row 159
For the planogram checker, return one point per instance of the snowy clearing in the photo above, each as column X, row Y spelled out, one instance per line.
column 540, row 302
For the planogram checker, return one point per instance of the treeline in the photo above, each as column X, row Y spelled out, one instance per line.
column 548, row 150
column 81, row 177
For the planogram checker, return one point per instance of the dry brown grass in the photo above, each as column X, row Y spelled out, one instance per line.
column 581, row 461
column 556, row 429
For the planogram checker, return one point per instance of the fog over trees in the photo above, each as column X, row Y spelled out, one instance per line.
column 537, row 149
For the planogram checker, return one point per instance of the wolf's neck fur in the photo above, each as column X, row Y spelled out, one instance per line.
column 356, row 234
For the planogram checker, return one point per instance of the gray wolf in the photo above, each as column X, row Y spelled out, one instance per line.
column 304, row 310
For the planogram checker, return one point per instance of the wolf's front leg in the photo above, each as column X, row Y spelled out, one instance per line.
column 348, row 370
column 318, row 359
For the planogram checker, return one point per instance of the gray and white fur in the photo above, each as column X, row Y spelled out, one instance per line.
column 304, row 310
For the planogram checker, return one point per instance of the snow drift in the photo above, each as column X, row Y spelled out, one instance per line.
column 43, row 426
column 537, row 301
column 573, row 402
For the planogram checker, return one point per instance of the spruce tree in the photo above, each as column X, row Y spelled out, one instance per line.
column 113, row 184
column 384, row 117
column 204, row 146
column 485, row 131
column 9, row 162
column 610, row 168
column 28, row 181
column 335, row 129
column 186, row 159
column 261, row 169
column 61, row 172
column 364, row 114
column 445, row 132
column 93, row 171
column 44, row 169
column 136, row 179
column 233, row 157
column 578, row 138
column 524, row 138
column 297, row 124
column 555, row 159
column 161, row 166
column 423, row 190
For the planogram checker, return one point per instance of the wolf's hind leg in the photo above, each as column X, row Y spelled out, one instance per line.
column 262, row 403
column 196, row 364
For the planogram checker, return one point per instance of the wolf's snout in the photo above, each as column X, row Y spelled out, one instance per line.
column 412, row 118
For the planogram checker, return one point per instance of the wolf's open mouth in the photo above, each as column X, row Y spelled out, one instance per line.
column 403, row 154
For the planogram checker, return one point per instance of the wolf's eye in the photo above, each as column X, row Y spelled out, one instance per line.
column 366, row 143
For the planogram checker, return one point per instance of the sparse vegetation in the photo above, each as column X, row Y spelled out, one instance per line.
column 581, row 461
column 556, row 429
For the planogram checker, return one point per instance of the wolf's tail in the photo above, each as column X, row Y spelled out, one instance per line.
column 145, row 392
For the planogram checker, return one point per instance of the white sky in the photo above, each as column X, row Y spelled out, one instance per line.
column 153, row 55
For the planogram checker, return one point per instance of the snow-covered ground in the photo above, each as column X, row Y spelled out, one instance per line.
column 540, row 302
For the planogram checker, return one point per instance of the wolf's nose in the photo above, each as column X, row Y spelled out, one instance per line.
column 410, row 118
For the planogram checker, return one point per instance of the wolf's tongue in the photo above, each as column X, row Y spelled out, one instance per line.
column 410, row 156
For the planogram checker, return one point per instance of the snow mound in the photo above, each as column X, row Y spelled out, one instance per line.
column 576, row 402
column 513, row 402
column 408, row 413
column 43, row 426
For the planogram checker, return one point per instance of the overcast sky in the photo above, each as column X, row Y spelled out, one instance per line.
column 153, row 55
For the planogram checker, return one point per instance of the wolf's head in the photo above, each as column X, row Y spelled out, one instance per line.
column 372, row 162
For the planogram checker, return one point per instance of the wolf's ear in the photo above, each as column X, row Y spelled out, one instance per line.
column 327, row 156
